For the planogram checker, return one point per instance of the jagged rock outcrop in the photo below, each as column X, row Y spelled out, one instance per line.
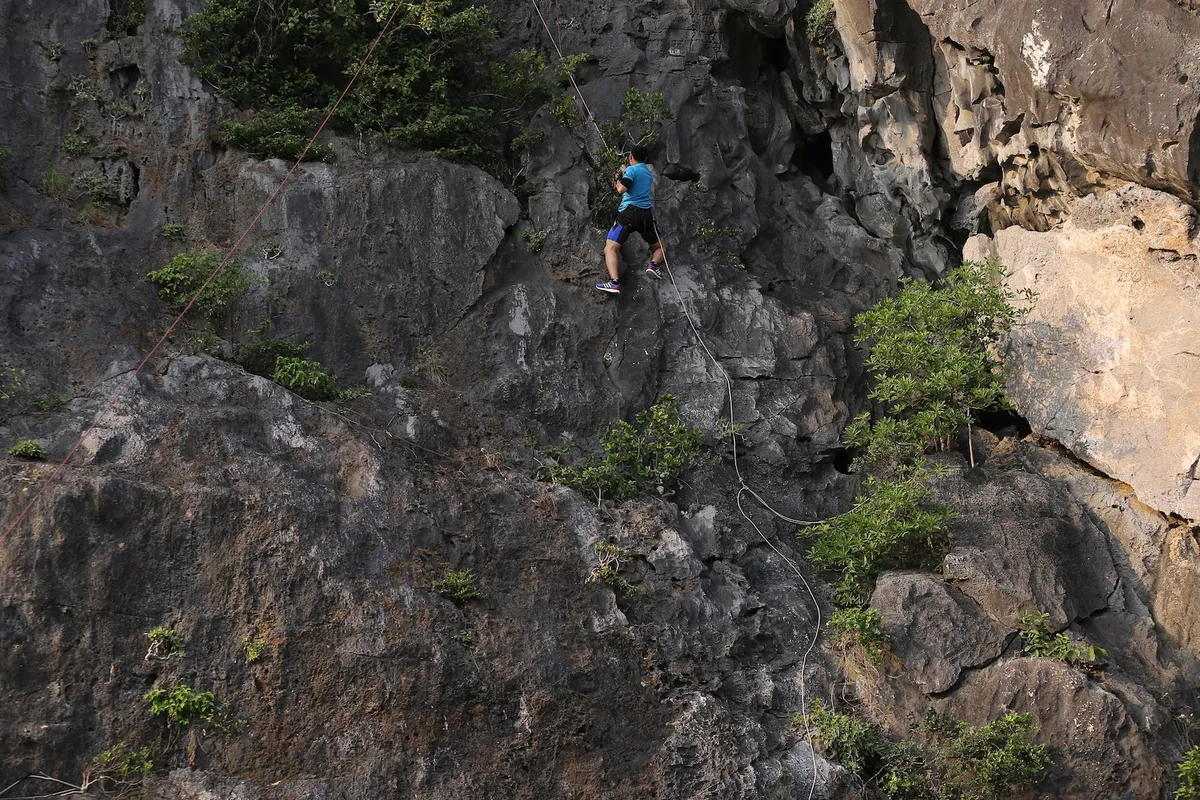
column 1104, row 362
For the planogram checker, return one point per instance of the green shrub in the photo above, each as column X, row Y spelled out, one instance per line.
column 126, row 15
column 643, row 115
column 859, row 626
column 433, row 83
column 54, row 50
column 312, row 380
column 183, row 706
column 164, row 643
column 50, row 400
column 120, row 766
column 260, row 357
column 1038, row 641
column 183, row 276
column 12, row 381
column 648, row 456
column 281, row 134
column 888, row 527
column 1189, row 776
column 933, row 360
column 723, row 243
column 98, row 187
column 28, row 448
column 819, row 20
column 254, row 648
column 173, row 231
column 55, row 186
column 947, row 760
column 78, row 145
column 89, row 44
column 326, row 277
column 458, row 586
column 534, row 240
column 84, row 88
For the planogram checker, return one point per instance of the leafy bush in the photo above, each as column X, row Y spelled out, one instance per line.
column 458, row 586
column 260, row 357
column 642, row 116
column 888, row 527
column 120, row 766
column 183, row 276
column 77, row 145
column 183, row 706
column 55, row 186
column 254, row 648
column 859, row 626
column 947, row 760
column 819, row 20
column 282, row 134
column 1039, row 642
column 164, row 643
column 98, row 187
column 534, row 240
column 431, row 82
column 28, row 448
column 173, row 231
column 1189, row 776
column 933, row 360
column 648, row 456
column 126, row 15
column 50, row 400
column 312, row 380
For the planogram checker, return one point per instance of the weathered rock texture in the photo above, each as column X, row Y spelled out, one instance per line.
column 1105, row 363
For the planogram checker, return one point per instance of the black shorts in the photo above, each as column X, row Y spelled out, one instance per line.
column 630, row 220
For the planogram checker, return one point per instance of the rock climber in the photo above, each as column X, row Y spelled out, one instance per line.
column 635, row 184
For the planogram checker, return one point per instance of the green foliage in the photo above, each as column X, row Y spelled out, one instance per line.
column 54, row 50
column 465, row 637
column 164, row 643
column 183, row 276
column 126, row 15
column 183, row 706
column 859, row 626
column 643, row 114
column 89, row 44
column 173, row 231
column 1038, row 641
column 55, row 186
column 534, row 240
column 260, row 357
column 120, row 766
column 854, row 743
column 50, row 400
column 282, row 134
column 84, row 88
column 933, row 359
column 78, row 145
column 819, row 20
column 254, row 648
column 98, row 187
column 12, row 380
column 326, row 277
column 28, row 448
column 648, row 456
column 312, row 380
column 947, row 760
column 889, row 526
column 1189, row 776
column 722, row 242
column 458, row 586
column 433, row 82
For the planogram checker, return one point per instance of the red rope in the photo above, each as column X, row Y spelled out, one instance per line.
column 133, row 375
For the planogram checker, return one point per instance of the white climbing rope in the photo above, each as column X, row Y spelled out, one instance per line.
column 744, row 488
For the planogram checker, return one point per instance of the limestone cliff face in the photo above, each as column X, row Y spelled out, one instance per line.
column 217, row 503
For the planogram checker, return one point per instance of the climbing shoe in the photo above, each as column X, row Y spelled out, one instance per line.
column 612, row 287
column 653, row 271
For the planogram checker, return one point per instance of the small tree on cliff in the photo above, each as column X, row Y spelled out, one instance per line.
column 934, row 361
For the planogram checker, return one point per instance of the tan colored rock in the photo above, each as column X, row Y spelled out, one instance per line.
column 1107, row 362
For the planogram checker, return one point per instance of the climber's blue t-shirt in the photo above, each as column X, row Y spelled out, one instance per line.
column 640, row 193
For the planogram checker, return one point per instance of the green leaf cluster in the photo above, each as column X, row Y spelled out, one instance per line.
column 278, row 134
column 458, row 586
column 126, row 15
column 254, row 648
column 649, row 456
column 261, row 357
column 1189, row 776
column 862, row 627
column 183, row 706
column 121, row 765
column 312, row 380
column 819, row 20
column 945, row 759
column 889, row 526
column 183, row 276
column 28, row 448
column 432, row 83
column 1038, row 641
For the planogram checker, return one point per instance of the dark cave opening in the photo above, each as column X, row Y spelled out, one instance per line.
column 1003, row 423
column 840, row 458
column 814, row 156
